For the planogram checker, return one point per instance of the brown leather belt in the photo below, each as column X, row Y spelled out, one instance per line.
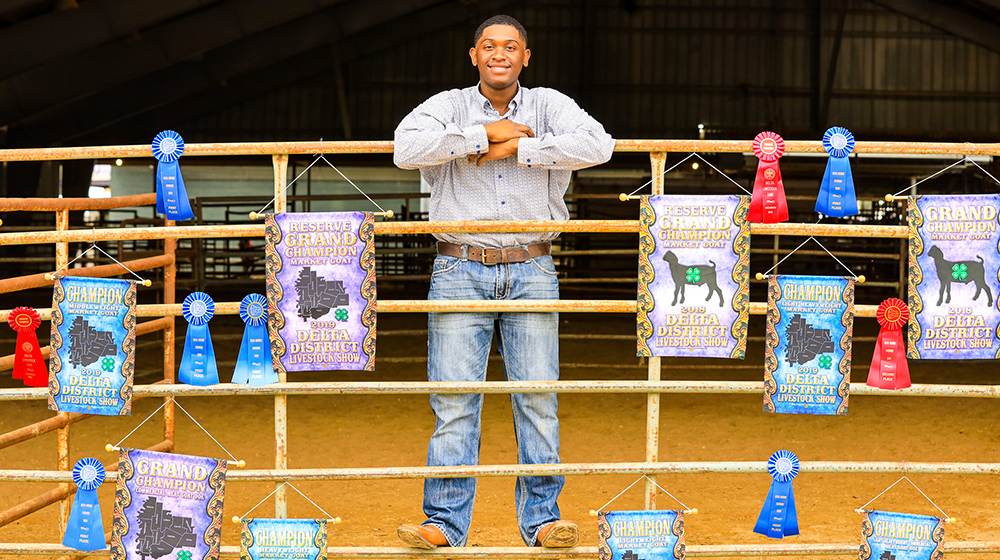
column 491, row 256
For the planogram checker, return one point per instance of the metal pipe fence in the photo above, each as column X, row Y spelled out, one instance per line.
column 653, row 386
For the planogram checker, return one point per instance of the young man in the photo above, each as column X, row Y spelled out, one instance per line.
column 496, row 151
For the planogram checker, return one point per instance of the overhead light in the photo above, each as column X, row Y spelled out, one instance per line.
column 694, row 165
column 119, row 162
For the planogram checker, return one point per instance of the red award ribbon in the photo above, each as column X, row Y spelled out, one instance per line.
column 889, row 369
column 29, row 364
column 767, row 204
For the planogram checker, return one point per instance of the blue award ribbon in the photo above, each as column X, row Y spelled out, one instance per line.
column 198, row 361
column 777, row 517
column 171, row 196
column 253, row 366
column 84, row 530
column 836, row 193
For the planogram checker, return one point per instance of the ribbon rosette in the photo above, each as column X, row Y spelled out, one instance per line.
column 836, row 192
column 777, row 517
column 767, row 203
column 889, row 369
column 198, row 365
column 171, row 196
column 29, row 364
column 84, row 530
column 254, row 366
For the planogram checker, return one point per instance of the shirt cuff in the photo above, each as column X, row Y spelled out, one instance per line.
column 476, row 140
column 528, row 152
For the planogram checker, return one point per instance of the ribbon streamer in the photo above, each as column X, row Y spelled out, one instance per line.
column 767, row 203
column 198, row 365
column 777, row 517
column 84, row 530
column 29, row 365
column 254, row 366
column 171, row 196
column 836, row 192
column 889, row 369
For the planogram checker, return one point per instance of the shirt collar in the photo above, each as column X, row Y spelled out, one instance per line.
column 514, row 103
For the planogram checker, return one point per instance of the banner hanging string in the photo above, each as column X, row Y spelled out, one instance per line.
column 686, row 509
column 93, row 245
column 682, row 161
column 841, row 263
column 335, row 520
column 321, row 157
column 110, row 447
column 963, row 160
column 907, row 478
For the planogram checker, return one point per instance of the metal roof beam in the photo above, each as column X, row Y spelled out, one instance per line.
column 955, row 22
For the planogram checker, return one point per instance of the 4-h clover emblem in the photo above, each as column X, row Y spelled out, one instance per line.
column 108, row 364
column 693, row 275
column 959, row 271
column 825, row 361
column 341, row 314
column 184, row 555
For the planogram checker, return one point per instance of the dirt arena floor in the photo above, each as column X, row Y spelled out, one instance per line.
column 380, row 431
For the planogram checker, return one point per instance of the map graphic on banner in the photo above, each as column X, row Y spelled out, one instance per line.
column 640, row 535
column 265, row 539
column 886, row 535
column 167, row 504
column 694, row 274
column 92, row 362
column 807, row 351
column 954, row 273
column 321, row 290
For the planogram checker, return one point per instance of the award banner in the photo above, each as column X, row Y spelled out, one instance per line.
column 807, row 350
column 264, row 539
column 321, row 290
column 29, row 364
column 92, row 360
column 836, row 192
column 640, row 535
column 694, row 276
column 167, row 504
column 85, row 529
column 887, row 535
column 954, row 273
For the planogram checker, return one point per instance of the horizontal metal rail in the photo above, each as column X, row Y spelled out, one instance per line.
column 560, row 469
column 514, row 552
column 503, row 387
column 401, row 228
column 102, row 271
column 76, row 204
column 385, row 147
column 455, row 306
column 7, row 362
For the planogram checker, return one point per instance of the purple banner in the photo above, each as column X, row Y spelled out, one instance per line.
column 167, row 505
column 321, row 290
column 954, row 273
column 694, row 274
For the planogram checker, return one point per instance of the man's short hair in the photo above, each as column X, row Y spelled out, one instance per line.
column 500, row 20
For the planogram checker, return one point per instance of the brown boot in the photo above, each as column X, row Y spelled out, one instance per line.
column 558, row 534
column 427, row 537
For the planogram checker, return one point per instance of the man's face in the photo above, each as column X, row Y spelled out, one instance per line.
column 499, row 55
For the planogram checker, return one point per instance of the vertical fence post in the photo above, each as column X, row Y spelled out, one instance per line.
column 280, row 162
column 62, row 436
column 657, row 162
column 169, row 344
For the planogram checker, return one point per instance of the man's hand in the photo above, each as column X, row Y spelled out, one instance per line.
column 498, row 150
column 503, row 130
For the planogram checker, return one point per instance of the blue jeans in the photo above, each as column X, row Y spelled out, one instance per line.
column 458, row 349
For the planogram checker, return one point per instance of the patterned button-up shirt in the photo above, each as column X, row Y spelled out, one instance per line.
column 440, row 134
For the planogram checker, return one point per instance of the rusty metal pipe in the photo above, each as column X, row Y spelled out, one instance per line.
column 7, row 362
column 38, row 428
column 103, row 271
column 75, row 204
